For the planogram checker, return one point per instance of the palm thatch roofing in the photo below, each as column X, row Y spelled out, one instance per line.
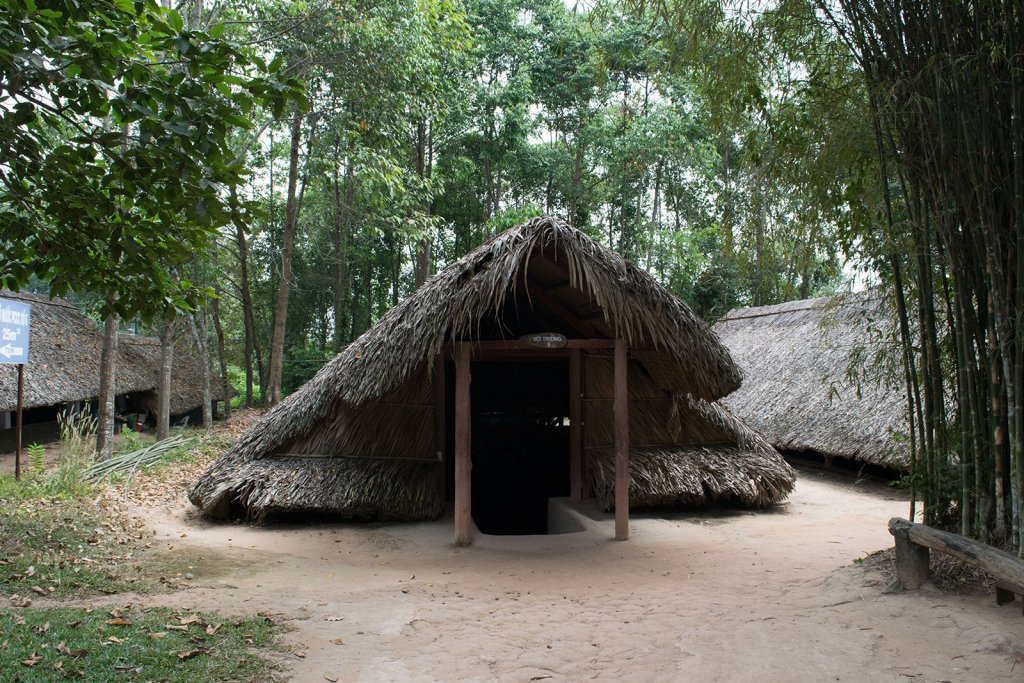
column 358, row 440
column 811, row 381
column 64, row 362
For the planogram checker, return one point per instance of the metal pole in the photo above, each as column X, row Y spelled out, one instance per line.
column 17, row 428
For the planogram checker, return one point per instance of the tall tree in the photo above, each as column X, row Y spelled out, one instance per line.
column 115, row 140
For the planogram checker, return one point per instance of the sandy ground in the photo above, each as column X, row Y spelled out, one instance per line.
column 729, row 596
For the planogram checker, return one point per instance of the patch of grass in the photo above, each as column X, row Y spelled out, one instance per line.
column 132, row 645
column 131, row 440
column 208, row 445
column 64, row 546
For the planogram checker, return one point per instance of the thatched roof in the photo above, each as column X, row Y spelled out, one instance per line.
column 373, row 401
column 797, row 389
column 64, row 361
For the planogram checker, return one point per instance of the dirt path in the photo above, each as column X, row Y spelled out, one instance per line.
column 728, row 597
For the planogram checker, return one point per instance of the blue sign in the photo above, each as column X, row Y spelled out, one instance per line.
column 14, row 318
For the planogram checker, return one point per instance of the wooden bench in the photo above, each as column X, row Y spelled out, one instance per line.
column 913, row 542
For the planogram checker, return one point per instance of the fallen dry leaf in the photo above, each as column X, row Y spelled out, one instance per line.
column 175, row 627
column 118, row 622
column 189, row 653
column 32, row 660
column 337, row 641
column 212, row 630
column 158, row 635
column 115, row 640
column 38, row 590
column 68, row 652
column 127, row 667
column 331, row 677
column 191, row 619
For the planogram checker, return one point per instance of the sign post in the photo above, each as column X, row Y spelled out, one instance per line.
column 14, row 324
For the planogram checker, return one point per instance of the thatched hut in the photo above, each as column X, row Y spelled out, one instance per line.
column 63, row 368
column 587, row 374
column 811, row 383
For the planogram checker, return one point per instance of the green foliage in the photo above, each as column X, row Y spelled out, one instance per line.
column 508, row 218
column 115, row 134
column 301, row 365
column 36, row 459
column 236, row 378
column 54, row 644
column 131, row 441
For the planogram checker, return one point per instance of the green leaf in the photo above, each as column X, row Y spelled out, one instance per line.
column 174, row 19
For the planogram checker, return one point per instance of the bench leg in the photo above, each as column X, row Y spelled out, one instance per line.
column 1004, row 595
column 912, row 561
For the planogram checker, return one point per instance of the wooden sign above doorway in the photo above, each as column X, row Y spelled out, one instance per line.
column 545, row 340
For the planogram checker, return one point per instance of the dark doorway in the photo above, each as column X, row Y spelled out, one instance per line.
column 520, row 438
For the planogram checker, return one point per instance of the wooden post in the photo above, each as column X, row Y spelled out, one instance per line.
column 440, row 398
column 621, row 406
column 912, row 560
column 575, row 427
column 463, row 459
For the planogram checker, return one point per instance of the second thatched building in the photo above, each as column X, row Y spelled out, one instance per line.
column 816, row 379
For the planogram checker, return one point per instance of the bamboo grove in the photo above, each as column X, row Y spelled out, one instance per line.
column 946, row 98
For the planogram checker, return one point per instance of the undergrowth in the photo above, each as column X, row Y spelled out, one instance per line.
column 62, row 536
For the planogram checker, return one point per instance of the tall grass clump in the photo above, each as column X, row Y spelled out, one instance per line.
column 77, row 438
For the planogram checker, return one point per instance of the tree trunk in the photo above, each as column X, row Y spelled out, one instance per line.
column 163, row 399
column 248, row 319
column 422, row 263
column 577, row 186
column 108, row 390
column 342, row 218
column 199, row 336
column 281, row 307
column 221, row 356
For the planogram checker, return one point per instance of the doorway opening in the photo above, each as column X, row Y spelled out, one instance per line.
column 520, row 443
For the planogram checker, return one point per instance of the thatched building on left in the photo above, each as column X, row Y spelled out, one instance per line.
column 63, row 373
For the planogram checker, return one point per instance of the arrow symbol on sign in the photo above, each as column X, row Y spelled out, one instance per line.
column 9, row 350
